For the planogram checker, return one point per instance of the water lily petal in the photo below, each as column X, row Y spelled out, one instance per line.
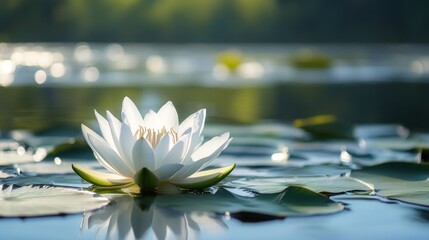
column 166, row 171
column 105, row 129
column 177, row 152
column 196, row 138
column 168, row 114
column 211, row 147
column 127, row 141
column 101, row 179
column 188, row 170
column 163, row 147
column 86, row 132
column 201, row 158
column 199, row 116
column 174, row 155
column 152, row 121
column 198, row 124
column 115, row 128
column 204, row 179
column 104, row 163
column 132, row 114
column 143, row 155
column 108, row 154
column 214, row 155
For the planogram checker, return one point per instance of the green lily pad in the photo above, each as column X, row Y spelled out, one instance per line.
column 407, row 182
column 293, row 201
column 8, row 158
column 309, row 59
column 46, row 179
column 32, row 201
column 292, row 171
column 325, row 127
column 401, row 144
column 333, row 185
column 70, row 149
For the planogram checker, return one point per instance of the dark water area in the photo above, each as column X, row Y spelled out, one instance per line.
column 37, row 108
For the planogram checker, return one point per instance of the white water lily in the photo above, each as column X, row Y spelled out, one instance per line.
column 153, row 150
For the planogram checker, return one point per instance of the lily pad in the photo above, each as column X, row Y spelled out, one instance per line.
column 332, row 185
column 402, row 144
column 4, row 175
column 65, row 180
column 32, row 201
column 293, row 201
column 71, row 149
column 407, row 182
column 292, row 171
column 8, row 158
column 325, row 127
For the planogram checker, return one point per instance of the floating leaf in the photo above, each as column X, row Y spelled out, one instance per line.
column 72, row 149
column 309, row 59
column 231, row 59
column 319, row 184
column 31, row 201
column 407, row 182
column 293, row 201
column 371, row 131
column 325, row 127
column 6, row 175
column 402, row 144
column 57, row 166
column 291, row 171
column 66, row 180
column 8, row 158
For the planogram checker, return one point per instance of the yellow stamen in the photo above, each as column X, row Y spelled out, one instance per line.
column 154, row 136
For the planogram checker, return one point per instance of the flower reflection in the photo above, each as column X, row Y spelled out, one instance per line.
column 143, row 217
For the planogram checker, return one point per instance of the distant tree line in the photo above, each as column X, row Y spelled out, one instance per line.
column 333, row 21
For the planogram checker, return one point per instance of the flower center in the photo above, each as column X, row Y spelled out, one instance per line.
column 153, row 136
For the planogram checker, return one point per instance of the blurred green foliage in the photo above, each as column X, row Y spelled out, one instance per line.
column 214, row 20
column 310, row 59
column 231, row 59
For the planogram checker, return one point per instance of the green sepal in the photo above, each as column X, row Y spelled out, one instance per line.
column 205, row 179
column 100, row 179
column 146, row 180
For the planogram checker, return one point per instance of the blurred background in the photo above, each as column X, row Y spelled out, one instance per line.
column 247, row 61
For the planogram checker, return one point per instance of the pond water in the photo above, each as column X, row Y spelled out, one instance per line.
column 241, row 83
column 370, row 141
